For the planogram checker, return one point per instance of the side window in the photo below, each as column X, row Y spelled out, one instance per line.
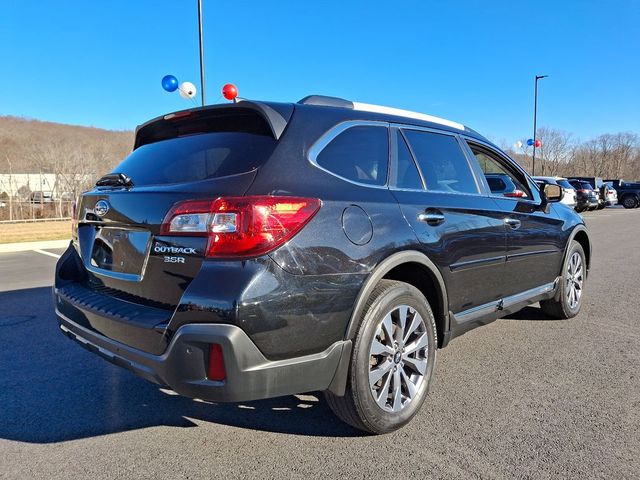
column 360, row 154
column 443, row 165
column 406, row 175
column 502, row 180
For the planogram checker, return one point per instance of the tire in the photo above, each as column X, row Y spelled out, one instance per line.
column 629, row 201
column 601, row 206
column 563, row 305
column 380, row 407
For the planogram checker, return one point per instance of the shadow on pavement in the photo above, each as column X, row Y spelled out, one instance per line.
column 530, row 314
column 52, row 390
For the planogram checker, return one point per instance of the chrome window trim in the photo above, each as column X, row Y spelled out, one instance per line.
column 480, row 189
column 332, row 133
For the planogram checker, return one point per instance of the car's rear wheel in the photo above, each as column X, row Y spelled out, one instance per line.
column 392, row 360
column 629, row 201
column 568, row 299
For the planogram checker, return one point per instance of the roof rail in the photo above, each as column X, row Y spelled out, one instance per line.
column 367, row 107
column 325, row 101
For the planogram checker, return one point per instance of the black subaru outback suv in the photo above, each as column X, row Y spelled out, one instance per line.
column 253, row 250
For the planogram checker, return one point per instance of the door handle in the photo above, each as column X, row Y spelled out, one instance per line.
column 514, row 223
column 431, row 217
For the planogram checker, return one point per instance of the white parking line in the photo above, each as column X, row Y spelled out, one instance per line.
column 43, row 252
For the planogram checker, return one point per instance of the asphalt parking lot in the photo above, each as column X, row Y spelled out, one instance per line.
column 524, row 397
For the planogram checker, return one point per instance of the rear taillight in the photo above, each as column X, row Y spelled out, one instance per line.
column 241, row 226
column 582, row 190
column 215, row 370
column 515, row 194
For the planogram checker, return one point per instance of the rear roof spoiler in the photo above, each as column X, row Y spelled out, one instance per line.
column 276, row 115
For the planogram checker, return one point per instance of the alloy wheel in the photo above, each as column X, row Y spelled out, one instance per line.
column 575, row 280
column 398, row 358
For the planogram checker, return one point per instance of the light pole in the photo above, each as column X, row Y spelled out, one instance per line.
column 202, row 93
column 535, row 119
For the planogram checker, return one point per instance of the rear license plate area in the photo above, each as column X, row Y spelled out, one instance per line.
column 120, row 251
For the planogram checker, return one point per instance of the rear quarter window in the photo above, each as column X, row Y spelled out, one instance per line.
column 359, row 154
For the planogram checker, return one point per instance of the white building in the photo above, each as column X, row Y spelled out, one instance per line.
column 20, row 185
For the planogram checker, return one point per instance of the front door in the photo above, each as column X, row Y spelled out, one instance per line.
column 534, row 248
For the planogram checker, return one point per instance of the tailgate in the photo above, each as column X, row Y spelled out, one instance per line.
column 122, row 249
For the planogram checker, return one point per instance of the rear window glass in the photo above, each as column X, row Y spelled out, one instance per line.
column 443, row 165
column 196, row 157
column 360, row 154
column 564, row 183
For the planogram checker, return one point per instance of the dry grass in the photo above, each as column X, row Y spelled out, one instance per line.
column 31, row 232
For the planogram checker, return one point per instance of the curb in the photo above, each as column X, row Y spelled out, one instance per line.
column 26, row 246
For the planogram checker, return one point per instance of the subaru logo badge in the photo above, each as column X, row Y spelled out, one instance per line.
column 101, row 208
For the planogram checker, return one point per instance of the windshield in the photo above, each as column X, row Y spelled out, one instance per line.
column 196, row 157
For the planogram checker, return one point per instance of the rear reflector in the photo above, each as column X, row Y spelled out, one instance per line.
column 241, row 227
column 216, row 363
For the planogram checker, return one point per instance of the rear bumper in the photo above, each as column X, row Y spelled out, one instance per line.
column 183, row 366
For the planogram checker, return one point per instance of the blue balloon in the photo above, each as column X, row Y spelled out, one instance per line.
column 530, row 142
column 170, row 83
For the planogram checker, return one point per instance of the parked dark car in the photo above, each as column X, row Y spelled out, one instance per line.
column 587, row 196
column 253, row 250
column 600, row 187
column 40, row 197
column 628, row 193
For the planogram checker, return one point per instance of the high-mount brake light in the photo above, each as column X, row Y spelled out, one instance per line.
column 241, row 227
column 177, row 115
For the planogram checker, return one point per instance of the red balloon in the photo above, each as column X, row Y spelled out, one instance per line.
column 537, row 143
column 229, row 91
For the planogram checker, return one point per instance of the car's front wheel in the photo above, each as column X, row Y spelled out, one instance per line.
column 392, row 360
column 568, row 299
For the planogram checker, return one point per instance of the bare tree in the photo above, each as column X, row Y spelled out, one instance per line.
column 556, row 150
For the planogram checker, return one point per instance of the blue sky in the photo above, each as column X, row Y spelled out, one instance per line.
column 100, row 62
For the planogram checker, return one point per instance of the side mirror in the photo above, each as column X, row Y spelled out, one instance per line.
column 552, row 193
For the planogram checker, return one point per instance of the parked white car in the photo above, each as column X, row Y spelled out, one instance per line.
column 569, row 195
column 612, row 195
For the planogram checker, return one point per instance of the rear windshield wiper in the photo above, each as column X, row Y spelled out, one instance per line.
column 115, row 180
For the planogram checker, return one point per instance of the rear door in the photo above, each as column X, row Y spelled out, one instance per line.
column 460, row 228
column 534, row 246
